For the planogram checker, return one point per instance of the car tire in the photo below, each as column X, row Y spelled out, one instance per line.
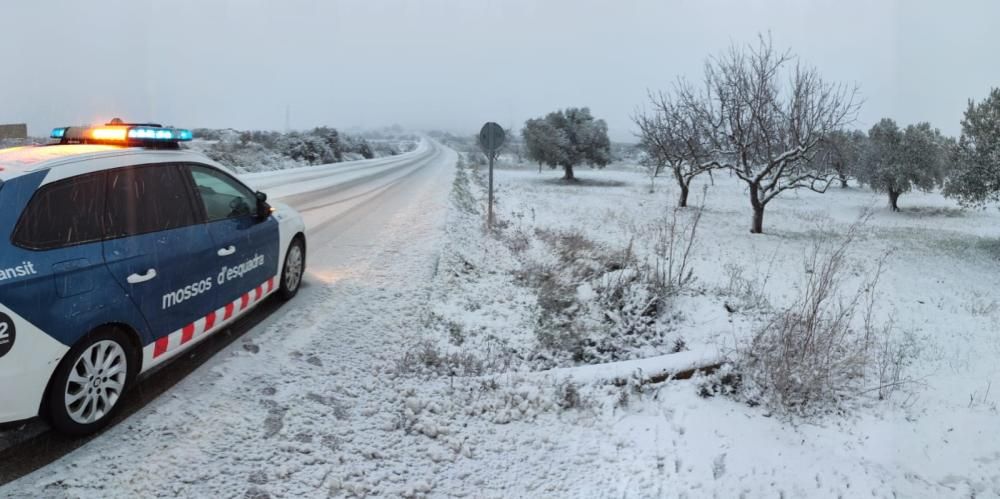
column 87, row 388
column 293, row 269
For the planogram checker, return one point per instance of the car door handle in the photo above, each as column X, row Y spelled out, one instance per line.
column 137, row 278
column 227, row 251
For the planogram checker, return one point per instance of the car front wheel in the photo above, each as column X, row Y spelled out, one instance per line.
column 89, row 383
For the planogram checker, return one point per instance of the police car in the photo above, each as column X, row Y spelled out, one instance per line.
column 119, row 251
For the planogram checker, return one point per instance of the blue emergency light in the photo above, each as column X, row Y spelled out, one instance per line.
column 120, row 132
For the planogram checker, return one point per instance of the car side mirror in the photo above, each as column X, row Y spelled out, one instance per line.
column 263, row 209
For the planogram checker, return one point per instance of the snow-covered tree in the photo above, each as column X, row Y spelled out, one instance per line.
column 306, row 147
column 977, row 154
column 766, row 116
column 333, row 142
column 897, row 161
column 672, row 138
column 843, row 151
column 365, row 149
column 566, row 139
column 541, row 140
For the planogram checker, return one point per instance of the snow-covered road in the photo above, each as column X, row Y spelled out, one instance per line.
column 269, row 409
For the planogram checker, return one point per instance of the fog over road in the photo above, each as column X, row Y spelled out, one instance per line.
column 347, row 208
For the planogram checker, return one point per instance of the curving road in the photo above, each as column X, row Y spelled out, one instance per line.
column 344, row 206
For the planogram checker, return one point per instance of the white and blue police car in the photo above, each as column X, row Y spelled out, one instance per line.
column 120, row 250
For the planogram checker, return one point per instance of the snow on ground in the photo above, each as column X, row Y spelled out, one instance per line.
column 933, row 438
column 412, row 373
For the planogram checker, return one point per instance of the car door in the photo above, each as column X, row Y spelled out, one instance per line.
column 246, row 252
column 53, row 273
column 159, row 251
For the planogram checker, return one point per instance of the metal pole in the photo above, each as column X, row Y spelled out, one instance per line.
column 489, row 216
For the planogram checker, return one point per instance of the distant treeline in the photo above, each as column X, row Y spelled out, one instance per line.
column 257, row 150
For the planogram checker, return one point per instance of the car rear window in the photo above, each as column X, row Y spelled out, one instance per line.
column 146, row 199
column 63, row 213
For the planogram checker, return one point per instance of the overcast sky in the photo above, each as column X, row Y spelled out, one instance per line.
column 453, row 64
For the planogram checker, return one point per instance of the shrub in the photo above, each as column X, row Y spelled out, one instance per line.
column 598, row 305
column 568, row 395
column 813, row 355
column 674, row 245
column 743, row 293
column 257, row 150
column 461, row 191
column 427, row 358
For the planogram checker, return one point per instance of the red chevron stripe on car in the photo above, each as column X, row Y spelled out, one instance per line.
column 208, row 324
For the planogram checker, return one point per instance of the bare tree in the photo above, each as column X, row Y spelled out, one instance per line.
column 672, row 138
column 767, row 115
column 653, row 167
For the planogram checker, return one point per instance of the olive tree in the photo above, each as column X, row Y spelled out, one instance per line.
column 766, row 115
column 542, row 140
column 897, row 160
column 568, row 138
column 843, row 151
column 977, row 154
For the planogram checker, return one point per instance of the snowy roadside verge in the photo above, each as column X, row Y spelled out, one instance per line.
column 545, row 301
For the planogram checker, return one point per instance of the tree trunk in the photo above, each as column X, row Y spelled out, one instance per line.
column 893, row 200
column 569, row 172
column 683, row 201
column 841, row 170
column 758, row 221
column 683, row 183
column 758, row 210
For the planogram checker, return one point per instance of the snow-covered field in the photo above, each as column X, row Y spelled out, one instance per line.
column 932, row 438
column 416, row 369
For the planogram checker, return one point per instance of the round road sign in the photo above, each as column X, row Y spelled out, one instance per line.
column 491, row 137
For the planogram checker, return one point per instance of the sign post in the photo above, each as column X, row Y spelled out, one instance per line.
column 491, row 139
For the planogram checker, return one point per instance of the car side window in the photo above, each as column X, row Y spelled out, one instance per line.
column 144, row 199
column 64, row 213
column 222, row 196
